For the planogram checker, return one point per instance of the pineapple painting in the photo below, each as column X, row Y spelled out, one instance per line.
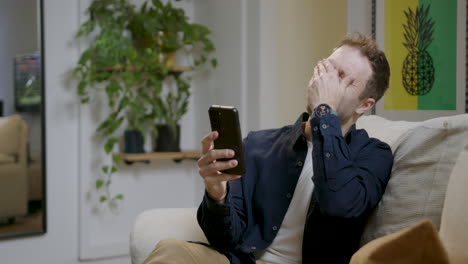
column 420, row 39
column 418, row 67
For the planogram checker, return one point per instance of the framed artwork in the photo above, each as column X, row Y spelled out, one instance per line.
column 425, row 44
column 28, row 82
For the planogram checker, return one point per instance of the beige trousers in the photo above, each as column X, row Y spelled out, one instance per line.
column 172, row 251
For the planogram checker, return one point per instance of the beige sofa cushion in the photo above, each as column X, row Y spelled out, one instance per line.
column 423, row 160
column 418, row 244
column 10, row 134
column 5, row 158
column 154, row 225
column 454, row 223
column 385, row 130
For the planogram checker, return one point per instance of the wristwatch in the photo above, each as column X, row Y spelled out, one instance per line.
column 323, row 110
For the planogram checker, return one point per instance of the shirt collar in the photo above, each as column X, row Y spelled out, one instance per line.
column 297, row 135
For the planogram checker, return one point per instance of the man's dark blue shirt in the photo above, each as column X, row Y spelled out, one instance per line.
column 350, row 176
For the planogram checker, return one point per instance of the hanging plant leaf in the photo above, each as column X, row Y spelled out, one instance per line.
column 214, row 63
column 110, row 144
column 99, row 184
column 117, row 159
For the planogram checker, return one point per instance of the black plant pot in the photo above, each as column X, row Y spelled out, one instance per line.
column 133, row 141
column 167, row 139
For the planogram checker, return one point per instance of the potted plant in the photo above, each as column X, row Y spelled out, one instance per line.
column 129, row 58
column 169, row 28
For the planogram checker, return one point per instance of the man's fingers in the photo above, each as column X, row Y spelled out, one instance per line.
column 325, row 64
column 215, row 154
column 221, row 177
column 207, row 140
column 328, row 66
column 212, row 168
column 314, row 76
column 321, row 68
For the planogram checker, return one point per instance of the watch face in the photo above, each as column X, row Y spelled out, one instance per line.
column 322, row 110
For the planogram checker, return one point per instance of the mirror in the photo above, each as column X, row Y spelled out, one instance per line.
column 22, row 140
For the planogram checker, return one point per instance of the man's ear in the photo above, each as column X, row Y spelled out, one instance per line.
column 365, row 105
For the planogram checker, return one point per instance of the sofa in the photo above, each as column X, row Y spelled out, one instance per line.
column 427, row 189
column 13, row 167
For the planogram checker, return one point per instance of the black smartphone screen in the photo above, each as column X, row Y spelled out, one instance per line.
column 225, row 120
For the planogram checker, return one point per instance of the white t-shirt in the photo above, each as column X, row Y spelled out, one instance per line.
column 286, row 248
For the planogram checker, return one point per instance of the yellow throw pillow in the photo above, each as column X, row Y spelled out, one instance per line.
column 418, row 244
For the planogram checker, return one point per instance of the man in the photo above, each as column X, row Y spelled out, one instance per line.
column 308, row 187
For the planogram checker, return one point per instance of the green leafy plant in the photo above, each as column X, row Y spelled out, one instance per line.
column 129, row 58
column 170, row 29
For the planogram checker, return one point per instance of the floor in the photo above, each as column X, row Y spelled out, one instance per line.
column 30, row 223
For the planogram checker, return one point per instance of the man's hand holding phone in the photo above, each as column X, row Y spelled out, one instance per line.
column 210, row 167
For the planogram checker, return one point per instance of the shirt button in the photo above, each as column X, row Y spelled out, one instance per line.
column 315, row 128
column 299, row 163
column 274, row 228
column 324, row 126
column 327, row 155
column 253, row 247
column 288, row 196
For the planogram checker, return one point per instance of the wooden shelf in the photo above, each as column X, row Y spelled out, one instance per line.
column 176, row 156
column 181, row 69
column 175, row 69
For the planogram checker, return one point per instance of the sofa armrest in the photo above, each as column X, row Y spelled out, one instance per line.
column 154, row 225
column 453, row 225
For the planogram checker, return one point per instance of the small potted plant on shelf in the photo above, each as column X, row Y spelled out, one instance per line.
column 131, row 60
column 167, row 29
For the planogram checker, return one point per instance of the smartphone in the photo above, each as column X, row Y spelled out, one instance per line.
column 225, row 120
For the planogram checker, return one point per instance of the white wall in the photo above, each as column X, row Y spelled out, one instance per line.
column 266, row 50
column 223, row 85
column 306, row 31
column 359, row 16
column 293, row 36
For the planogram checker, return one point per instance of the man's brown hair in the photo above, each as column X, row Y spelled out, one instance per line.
column 379, row 80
